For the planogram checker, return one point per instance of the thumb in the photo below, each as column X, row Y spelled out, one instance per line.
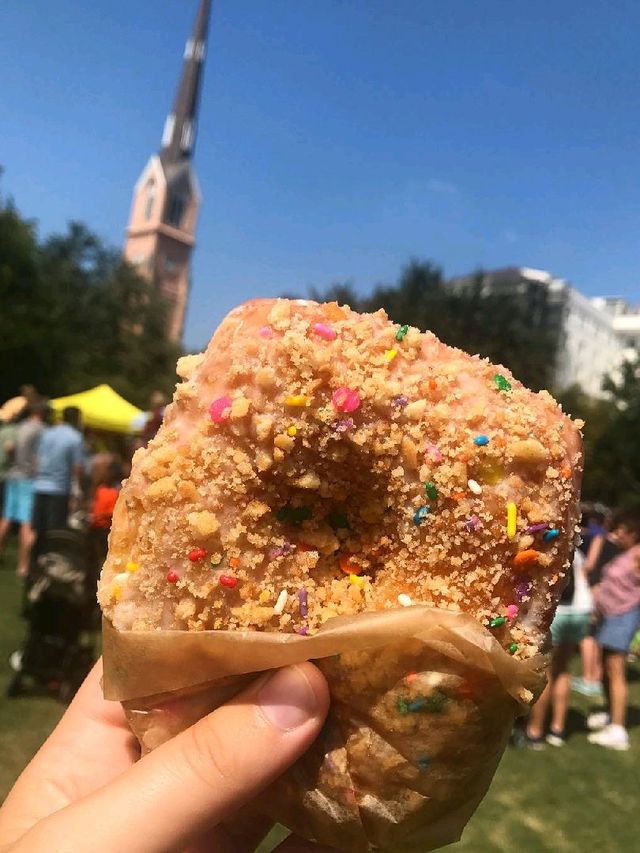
column 198, row 778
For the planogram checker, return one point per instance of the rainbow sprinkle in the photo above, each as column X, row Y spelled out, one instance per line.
column 266, row 332
column 220, row 409
column 404, row 600
column 474, row 487
column 345, row 399
column 132, row 567
column 325, row 332
column 401, row 333
column 536, row 528
column 497, row 621
column 401, row 400
column 343, row 425
column 502, row 383
column 431, row 490
column 280, row 604
column 513, row 648
column 512, row 611
column 551, row 534
column 512, row 519
column 302, row 598
column 297, row 400
column 390, row 354
column 420, row 515
column 472, row 523
column 481, row 440
column 292, row 430
column 434, row 453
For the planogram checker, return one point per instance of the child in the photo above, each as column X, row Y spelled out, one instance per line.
column 104, row 501
column 617, row 598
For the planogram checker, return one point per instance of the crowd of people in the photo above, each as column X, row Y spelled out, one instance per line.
column 599, row 615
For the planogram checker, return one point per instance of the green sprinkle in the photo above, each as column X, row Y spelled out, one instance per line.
column 430, row 489
column 402, row 331
column 513, row 648
column 403, row 706
column 502, row 383
column 293, row 514
column 497, row 621
column 434, row 703
column 424, row 762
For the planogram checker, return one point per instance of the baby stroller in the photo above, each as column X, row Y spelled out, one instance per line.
column 60, row 610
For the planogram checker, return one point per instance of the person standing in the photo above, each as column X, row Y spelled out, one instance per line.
column 18, row 497
column 7, row 446
column 618, row 600
column 59, row 472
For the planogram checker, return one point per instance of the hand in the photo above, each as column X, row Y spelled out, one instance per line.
column 88, row 790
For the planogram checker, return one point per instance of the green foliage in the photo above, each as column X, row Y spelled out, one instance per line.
column 74, row 314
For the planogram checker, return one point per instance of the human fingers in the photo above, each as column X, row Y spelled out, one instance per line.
column 198, row 778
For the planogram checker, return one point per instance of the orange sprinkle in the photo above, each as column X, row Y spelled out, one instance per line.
column 528, row 556
column 234, row 562
column 566, row 471
column 411, row 677
column 348, row 567
column 457, row 496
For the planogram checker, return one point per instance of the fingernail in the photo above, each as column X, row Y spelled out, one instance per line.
column 287, row 699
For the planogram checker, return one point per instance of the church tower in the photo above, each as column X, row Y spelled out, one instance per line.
column 166, row 198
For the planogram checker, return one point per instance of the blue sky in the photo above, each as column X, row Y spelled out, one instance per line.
column 339, row 138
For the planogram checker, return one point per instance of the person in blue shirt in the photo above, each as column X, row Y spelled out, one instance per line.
column 59, row 470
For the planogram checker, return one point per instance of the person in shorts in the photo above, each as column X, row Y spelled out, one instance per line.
column 617, row 598
column 18, row 490
column 568, row 629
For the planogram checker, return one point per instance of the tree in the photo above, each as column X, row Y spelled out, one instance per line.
column 75, row 314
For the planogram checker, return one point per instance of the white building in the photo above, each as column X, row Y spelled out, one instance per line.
column 594, row 335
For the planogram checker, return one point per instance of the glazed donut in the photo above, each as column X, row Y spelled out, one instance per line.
column 317, row 462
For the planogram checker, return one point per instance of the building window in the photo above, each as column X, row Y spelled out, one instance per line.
column 170, row 265
column 176, row 208
column 150, row 199
column 186, row 140
column 167, row 133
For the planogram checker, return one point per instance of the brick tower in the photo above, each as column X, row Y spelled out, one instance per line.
column 166, row 198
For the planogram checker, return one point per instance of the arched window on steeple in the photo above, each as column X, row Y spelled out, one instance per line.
column 150, row 198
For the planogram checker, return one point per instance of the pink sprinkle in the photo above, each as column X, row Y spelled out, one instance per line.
column 434, row 453
column 325, row 332
column 303, row 631
column 346, row 399
column 512, row 611
column 220, row 409
column 266, row 332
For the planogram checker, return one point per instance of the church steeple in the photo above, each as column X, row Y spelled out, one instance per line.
column 166, row 198
column 179, row 134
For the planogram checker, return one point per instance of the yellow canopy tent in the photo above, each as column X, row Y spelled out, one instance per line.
column 103, row 408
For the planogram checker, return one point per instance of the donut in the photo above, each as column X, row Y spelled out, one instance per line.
column 316, row 462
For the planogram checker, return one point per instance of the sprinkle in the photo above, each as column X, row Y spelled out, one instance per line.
column 132, row 567
column 302, row 598
column 197, row 554
column 512, row 611
column 234, row 562
column 325, row 332
column 292, row 430
column 266, row 332
column 402, row 331
column 278, row 607
column 430, row 489
column 551, row 534
column 513, row 648
column 403, row 706
column 404, row 600
column 411, row 677
column 524, row 557
column 401, row 400
column 536, row 528
column 434, row 453
column 497, row 621
column 424, row 762
column 512, row 519
column 390, row 354
column 220, row 409
column 354, row 580
column 433, row 703
column 502, row 383
column 116, row 592
column 566, row 471
column 345, row 399
column 228, row 580
column 475, row 487
column 481, row 440
column 172, row 577
column 472, row 523
column 294, row 514
column 457, row 496
column 297, row 400
column 347, row 566
column 522, row 590
column 417, row 705
column 420, row 515
column 433, row 384
column 304, row 631
column 343, row 425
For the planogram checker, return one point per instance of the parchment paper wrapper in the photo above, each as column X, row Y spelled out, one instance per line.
column 422, row 704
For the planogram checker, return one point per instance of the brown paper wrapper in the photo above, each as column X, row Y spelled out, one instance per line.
column 422, row 704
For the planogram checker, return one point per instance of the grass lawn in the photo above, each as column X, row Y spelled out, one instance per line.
column 577, row 798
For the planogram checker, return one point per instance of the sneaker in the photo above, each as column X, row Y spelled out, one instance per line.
column 611, row 737
column 598, row 720
column 15, row 660
column 535, row 743
column 556, row 738
column 593, row 688
column 579, row 685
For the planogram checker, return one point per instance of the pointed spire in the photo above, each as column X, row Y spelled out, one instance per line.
column 179, row 135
